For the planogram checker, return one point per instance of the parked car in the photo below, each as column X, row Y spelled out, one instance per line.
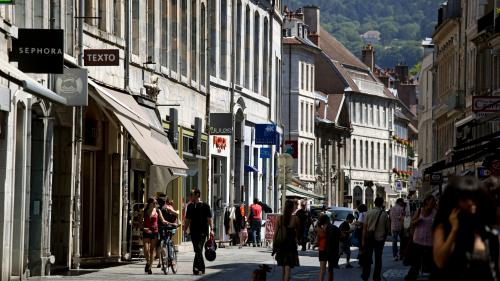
column 316, row 210
column 339, row 214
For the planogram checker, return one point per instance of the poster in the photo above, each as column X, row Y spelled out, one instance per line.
column 271, row 220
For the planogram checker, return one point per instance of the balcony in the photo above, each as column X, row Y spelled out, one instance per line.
column 456, row 101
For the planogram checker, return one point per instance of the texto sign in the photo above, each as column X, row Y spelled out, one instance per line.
column 101, row 57
column 486, row 103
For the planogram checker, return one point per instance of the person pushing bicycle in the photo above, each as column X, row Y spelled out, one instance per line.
column 166, row 231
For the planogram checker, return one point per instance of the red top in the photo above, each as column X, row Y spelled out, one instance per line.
column 321, row 240
column 257, row 211
column 151, row 222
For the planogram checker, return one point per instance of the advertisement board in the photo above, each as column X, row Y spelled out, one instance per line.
column 265, row 134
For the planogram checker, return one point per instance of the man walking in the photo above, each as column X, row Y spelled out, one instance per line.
column 375, row 230
column 198, row 220
column 305, row 222
column 397, row 216
column 255, row 218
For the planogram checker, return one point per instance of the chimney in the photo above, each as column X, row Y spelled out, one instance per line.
column 368, row 56
column 402, row 72
column 312, row 19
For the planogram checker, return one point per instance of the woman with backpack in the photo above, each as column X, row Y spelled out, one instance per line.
column 150, row 231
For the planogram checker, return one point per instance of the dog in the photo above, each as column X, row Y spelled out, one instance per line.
column 260, row 274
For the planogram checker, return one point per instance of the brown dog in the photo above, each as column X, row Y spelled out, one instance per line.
column 260, row 274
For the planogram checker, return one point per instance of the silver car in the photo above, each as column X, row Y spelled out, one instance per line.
column 339, row 214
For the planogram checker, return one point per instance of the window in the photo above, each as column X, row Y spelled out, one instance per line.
column 302, row 157
column 151, row 29
column 385, row 157
column 373, row 156
column 69, row 23
column 361, row 159
column 369, row 115
column 301, row 75
column 164, row 33
column 103, row 15
column 117, row 19
column 173, row 35
column 247, row 48
column 203, row 60
column 312, row 79
column 367, row 156
column 301, row 116
column 361, row 115
column 312, row 117
column 194, row 43
column 184, row 37
column 384, row 117
column 307, row 117
column 212, row 35
column 378, row 156
column 311, row 156
column 377, row 115
column 353, row 111
column 365, row 113
column 265, row 59
column 135, row 26
column 354, row 162
column 307, row 77
column 238, row 43
column 256, row 49
column 90, row 11
column 223, row 39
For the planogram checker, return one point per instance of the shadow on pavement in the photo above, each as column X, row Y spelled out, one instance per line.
column 243, row 272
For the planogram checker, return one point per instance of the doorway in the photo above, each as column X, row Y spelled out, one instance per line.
column 219, row 193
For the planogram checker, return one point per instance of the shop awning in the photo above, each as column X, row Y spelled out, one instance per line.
column 297, row 192
column 29, row 84
column 148, row 137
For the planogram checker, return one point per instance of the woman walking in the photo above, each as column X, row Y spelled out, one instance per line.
column 464, row 246
column 421, row 249
column 150, row 232
column 286, row 252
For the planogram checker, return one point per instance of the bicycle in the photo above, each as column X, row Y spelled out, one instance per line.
column 168, row 255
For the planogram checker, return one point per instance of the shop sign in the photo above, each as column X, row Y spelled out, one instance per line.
column 39, row 50
column 4, row 99
column 101, row 57
column 486, row 103
column 292, row 148
column 72, row 85
column 437, row 178
column 265, row 134
column 7, row 2
column 493, row 165
column 221, row 124
column 219, row 145
column 399, row 186
column 265, row 152
column 483, row 172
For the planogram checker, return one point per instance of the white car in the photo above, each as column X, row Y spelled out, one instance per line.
column 338, row 214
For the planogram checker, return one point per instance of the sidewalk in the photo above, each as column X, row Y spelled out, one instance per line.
column 233, row 264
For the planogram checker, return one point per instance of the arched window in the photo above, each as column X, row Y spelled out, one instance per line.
column 223, row 39
column 194, row 37
column 369, row 197
column 173, row 35
column 256, row 49
column 247, row 47
column 357, row 196
column 203, row 48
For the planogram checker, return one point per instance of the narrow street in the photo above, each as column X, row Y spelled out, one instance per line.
column 236, row 265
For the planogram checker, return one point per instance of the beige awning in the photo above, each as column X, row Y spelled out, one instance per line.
column 144, row 131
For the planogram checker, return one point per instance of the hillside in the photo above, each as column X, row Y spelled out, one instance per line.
column 402, row 25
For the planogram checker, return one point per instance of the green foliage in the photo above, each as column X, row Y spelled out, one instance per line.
column 402, row 24
column 416, row 69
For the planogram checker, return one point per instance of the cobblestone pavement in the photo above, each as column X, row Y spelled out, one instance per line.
column 233, row 264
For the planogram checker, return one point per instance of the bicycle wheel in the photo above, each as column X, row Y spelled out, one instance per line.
column 163, row 257
column 173, row 262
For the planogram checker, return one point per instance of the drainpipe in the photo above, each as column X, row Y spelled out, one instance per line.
column 127, row 45
column 78, row 149
column 231, row 104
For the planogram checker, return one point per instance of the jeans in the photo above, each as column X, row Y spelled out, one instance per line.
column 376, row 247
column 256, row 227
column 198, row 243
column 396, row 235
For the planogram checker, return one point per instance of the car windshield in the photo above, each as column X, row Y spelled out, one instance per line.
column 340, row 215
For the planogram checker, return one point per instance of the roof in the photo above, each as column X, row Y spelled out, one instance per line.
column 336, row 51
column 294, row 40
column 335, row 103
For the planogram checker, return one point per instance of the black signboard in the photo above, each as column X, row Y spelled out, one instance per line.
column 101, row 57
column 39, row 50
column 221, row 124
column 436, row 178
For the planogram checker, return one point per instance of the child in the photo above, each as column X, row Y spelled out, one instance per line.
column 244, row 235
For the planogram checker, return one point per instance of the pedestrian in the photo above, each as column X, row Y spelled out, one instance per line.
column 328, row 244
column 304, row 216
column 285, row 239
column 397, row 217
column 375, row 230
column 346, row 229
column 244, row 234
column 464, row 245
column 170, row 215
column 255, row 219
column 420, row 250
column 198, row 221
column 150, row 231
column 358, row 232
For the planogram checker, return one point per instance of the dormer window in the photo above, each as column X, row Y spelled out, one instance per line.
column 300, row 30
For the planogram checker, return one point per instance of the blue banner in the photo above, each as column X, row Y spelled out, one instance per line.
column 265, row 152
column 265, row 134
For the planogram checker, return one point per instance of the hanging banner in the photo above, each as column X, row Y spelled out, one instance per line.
column 72, row 85
column 220, row 145
column 265, row 152
column 270, row 226
column 39, row 50
column 221, row 124
column 265, row 134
